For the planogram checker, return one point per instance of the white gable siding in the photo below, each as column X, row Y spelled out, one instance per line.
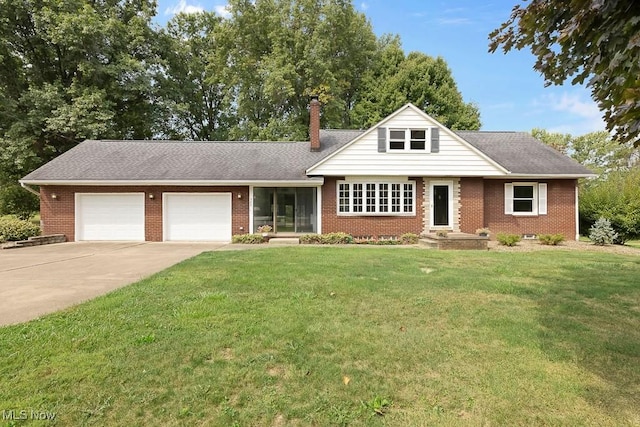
column 362, row 157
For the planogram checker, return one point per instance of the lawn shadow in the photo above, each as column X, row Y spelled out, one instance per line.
column 590, row 316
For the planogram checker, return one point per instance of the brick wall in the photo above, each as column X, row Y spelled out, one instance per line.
column 368, row 225
column 560, row 218
column 58, row 215
column 471, row 204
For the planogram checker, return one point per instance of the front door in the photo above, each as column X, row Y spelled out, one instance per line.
column 441, row 204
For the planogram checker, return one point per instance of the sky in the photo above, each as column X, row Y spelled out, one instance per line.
column 509, row 93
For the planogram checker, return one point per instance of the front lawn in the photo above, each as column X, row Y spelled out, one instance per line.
column 342, row 336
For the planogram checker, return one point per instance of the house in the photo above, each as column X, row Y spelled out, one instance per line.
column 407, row 173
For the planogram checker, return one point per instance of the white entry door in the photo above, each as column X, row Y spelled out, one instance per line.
column 197, row 217
column 113, row 216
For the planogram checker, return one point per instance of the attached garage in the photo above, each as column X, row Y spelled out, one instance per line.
column 100, row 216
column 196, row 217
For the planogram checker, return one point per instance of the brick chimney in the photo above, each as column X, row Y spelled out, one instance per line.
column 314, row 123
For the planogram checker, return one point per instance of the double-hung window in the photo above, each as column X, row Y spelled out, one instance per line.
column 376, row 198
column 408, row 139
column 525, row 198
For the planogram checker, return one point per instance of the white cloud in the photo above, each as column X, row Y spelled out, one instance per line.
column 578, row 113
column 223, row 11
column 454, row 21
column 364, row 6
column 183, row 7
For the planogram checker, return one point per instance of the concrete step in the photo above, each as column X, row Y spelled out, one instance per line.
column 428, row 243
column 284, row 241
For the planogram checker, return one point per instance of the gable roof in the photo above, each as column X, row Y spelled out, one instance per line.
column 522, row 154
column 409, row 107
column 108, row 161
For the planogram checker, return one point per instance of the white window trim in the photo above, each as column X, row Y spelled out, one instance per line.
column 539, row 205
column 407, row 140
column 377, row 201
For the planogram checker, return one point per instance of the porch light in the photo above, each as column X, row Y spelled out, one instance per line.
column 239, row 195
column 54, row 196
column 151, row 196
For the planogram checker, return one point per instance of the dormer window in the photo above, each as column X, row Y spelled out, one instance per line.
column 408, row 139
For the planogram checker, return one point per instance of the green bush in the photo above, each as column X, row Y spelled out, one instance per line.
column 15, row 200
column 508, row 239
column 550, row 239
column 615, row 197
column 409, row 239
column 336, row 239
column 13, row 228
column 310, row 239
column 602, row 233
column 326, row 239
column 250, row 239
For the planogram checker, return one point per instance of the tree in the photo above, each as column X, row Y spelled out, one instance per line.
column 287, row 50
column 596, row 41
column 616, row 198
column 595, row 150
column 427, row 82
column 70, row 70
column 195, row 87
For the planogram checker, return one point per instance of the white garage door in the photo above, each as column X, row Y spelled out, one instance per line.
column 197, row 216
column 110, row 216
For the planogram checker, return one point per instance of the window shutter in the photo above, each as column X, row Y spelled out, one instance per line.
column 435, row 140
column 382, row 140
column 508, row 199
column 542, row 199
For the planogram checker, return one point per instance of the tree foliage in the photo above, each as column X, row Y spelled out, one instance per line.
column 77, row 69
column 616, row 198
column 593, row 41
column 427, row 82
column 70, row 70
column 597, row 151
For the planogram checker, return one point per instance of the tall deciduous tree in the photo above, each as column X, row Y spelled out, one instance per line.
column 70, row 70
column 593, row 41
column 427, row 82
column 195, row 87
column 596, row 150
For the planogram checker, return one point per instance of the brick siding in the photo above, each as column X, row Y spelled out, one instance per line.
column 560, row 218
column 471, row 204
column 58, row 215
column 374, row 226
column 481, row 205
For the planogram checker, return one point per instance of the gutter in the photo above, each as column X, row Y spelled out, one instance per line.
column 29, row 189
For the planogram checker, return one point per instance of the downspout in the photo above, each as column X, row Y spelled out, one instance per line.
column 29, row 189
column 577, row 214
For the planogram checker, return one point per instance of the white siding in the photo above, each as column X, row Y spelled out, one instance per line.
column 361, row 157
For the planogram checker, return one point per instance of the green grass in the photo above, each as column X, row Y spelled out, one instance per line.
column 343, row 336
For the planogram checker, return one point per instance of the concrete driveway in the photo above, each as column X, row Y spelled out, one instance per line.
column 43, row 279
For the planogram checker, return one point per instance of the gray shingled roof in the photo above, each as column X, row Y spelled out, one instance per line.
column 188, row 161
column 520, row 153
column 92, row 160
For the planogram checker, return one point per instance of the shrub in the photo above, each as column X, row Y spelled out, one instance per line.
column 508, row 239
column 15, row 200
column 409, row 239
column 250, row 239
column 336, row 238
column 602, row 233
column 310, row 239
column 13, row 228
column 616, row 197
column 326, row 239
column 550, row 239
